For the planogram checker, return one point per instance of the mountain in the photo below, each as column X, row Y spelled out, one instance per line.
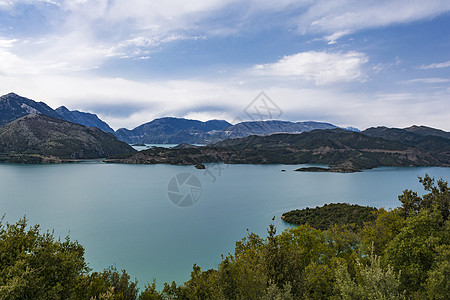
column 429, row 142
column 342, row 150
column 424, row 130
column 171, row 131
column 244, row 129
column 41, row 135
column 13, row 106
column 177, row 131
column 82, row 118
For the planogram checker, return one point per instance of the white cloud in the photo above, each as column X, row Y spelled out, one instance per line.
column 47, row 65
column 321, row 67
column 135, row 28
column 346, row 16
column 332, row 39
column 435, row 66
column 227, row 99
column 427, row 80
column 51, row 55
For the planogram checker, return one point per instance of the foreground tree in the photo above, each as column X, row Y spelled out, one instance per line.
column 396, row 254
column 38, row 266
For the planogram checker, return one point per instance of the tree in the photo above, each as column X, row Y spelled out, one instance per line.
column 38, row 266
column 438, row 198
column 371, row 280
column 413, row 250
column 150, row 292
column 376, row 235
column 438, row 282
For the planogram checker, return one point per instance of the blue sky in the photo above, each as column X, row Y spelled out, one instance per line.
column 348, row 62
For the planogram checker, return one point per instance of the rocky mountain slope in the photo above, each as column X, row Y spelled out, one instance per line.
column 171, row 131
column 83, row 118
column 13, row 106
column 177, row 130
column 45, row 136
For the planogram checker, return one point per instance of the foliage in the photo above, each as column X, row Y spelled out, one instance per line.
column 396, row 254
column 330, row 214
column 35, row 265
column 438, row 198
column 371, row 280
column 343, row 151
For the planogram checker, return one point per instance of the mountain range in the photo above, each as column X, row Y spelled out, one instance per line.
column 159, row 131
column 177, row 130
column 172, row 131
column 342, row 150
column 32, row 131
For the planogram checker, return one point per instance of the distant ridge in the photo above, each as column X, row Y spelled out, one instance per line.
column 83, row 118
column 424, row 130
column 171, row 130
column 178, row 130
column 428, row 139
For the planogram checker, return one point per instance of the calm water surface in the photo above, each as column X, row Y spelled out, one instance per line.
column 123, row 216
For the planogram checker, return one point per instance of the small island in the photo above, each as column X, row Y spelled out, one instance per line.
column 332, row 170
column 335, row 213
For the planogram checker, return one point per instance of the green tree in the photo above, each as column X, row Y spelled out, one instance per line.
column 438, row 282
column 413, row 250
column 438, row 198
column 371, row 280
column 110, row 281
column 376, row 235
column 150, row 292
column 38, row 266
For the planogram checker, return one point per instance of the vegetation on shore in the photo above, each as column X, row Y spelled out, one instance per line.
column 332, row 170
column 332, row 214
column 343, row 151
column 402, row 253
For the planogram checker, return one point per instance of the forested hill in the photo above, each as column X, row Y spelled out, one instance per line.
column 332, row 214
column 340, row 149
column 40, row 138
column 427, row 139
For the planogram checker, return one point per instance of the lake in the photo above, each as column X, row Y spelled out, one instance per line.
column 123, row 214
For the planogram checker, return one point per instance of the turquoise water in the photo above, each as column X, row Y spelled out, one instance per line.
column 123, row 216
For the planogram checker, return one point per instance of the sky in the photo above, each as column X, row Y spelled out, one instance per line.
column 347, row 62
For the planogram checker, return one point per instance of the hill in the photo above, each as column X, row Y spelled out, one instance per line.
column 340, row 149
column 424, row 130
column 427, row 139
column 45, row 136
